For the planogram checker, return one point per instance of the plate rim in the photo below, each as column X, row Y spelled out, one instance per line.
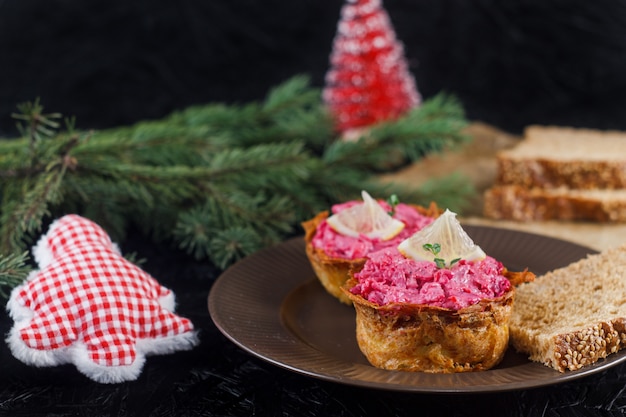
column 281, row 334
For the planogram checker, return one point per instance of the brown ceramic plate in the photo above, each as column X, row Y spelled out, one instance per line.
column 271, row 305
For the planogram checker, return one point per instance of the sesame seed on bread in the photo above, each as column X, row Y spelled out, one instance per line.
column 575, row 315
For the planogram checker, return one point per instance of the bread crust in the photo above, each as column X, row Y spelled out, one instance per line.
column 432, row 339
column 557, row 173
column 511, row 202
column 550, row 173
column 573, row 350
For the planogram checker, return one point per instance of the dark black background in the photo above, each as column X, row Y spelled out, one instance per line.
column 114, row 62
column 110, row 63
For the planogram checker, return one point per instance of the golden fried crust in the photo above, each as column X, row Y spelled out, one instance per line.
column 433, row 210
column 431, row 339
column 517, row 278
column 331, row 272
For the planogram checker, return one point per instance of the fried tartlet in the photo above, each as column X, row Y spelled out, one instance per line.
column 333, row 255
column 433, row 316
column 418, row 337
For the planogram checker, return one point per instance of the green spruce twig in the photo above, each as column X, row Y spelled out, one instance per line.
column 217, row 181
column 14, row 268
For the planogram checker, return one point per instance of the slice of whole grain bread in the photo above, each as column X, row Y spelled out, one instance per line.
column 575, row 315
column 552, row 157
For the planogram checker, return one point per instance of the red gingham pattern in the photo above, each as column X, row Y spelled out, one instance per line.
column 89, row 294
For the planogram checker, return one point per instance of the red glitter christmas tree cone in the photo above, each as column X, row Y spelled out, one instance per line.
column 368, row 81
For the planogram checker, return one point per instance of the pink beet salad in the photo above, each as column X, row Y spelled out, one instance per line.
column 346, row 247
column 388, row 277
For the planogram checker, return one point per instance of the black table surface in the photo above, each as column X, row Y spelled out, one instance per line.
column 217, row 378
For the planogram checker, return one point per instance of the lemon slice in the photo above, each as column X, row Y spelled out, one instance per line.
column 443, row 241
column 368, row 219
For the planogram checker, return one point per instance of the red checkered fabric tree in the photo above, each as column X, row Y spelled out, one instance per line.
column 368, row 80
column 89, row 306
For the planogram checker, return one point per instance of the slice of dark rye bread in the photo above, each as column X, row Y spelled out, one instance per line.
column 575, row 315
column 552, row 157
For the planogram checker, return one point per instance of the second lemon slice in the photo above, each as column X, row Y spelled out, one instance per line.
column 443, row 241
column 368, row 219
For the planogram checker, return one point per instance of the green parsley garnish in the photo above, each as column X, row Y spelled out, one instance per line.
column 393, row 201
column 435, row 248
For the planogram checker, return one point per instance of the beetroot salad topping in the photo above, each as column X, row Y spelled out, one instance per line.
column 339, row 246
column 388, row 277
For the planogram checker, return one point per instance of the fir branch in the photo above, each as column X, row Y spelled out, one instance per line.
column 140, row 182
column 219, row 181
column 291, row 111
column 232, row 244
column 23, row 218
column 157, row 143
column 37, row 184
column 106, row 190
column 432, row 127
column 262, row 165
column 38, row 125
column 266, row 221
column 14, row 269
column 295, row 93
